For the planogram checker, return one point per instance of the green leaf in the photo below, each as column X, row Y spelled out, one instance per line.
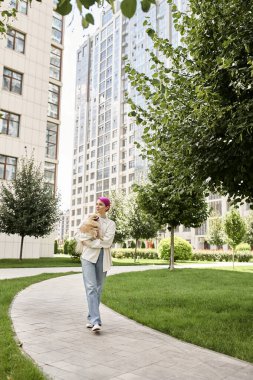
column 88, row 3
column 85, row 23
column 145, row 5
column 128, row 7
column 79, row 6
column 89, row 18
column 64, row 7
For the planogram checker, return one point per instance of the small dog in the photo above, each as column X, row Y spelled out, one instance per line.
column 91, row 227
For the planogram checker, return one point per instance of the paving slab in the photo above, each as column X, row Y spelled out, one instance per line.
column 49, row 319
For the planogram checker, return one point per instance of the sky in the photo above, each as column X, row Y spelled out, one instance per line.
column 73, row 38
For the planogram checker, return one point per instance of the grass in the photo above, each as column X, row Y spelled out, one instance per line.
column 46, row 262
column 129, row 261
column 66, row 261
column 210, row 308
column 14, row 365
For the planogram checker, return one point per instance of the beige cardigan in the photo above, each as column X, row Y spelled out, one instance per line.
column 92, row 248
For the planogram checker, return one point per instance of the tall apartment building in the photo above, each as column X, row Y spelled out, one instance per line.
column 63, row 226
column 30, row 88
column 105, row 157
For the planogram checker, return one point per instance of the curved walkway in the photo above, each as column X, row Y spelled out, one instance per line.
column 49, row 320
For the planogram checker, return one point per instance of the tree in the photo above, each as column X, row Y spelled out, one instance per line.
column 216, row 234
column 55, row 247
column 64, row 7
column 201, row 102
column 118, row 213
column 66, row 247
column 167, row 206
column 235, row 229
column 28, row 207
column 141, row 223
column 249, row 230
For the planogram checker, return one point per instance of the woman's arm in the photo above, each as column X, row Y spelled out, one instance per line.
column 107, row 238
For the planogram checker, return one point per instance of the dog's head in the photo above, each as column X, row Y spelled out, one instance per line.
column 94, row 217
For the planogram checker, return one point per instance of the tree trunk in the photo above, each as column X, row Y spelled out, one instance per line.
column 172, row 248
column 21, row 247
column 135, row 250
column 233, row 257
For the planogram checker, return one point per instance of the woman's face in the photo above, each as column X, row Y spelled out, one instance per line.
column 101, row 207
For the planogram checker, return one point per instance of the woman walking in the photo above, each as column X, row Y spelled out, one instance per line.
column 96, row 261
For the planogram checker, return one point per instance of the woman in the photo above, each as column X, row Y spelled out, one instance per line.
column 96, row 261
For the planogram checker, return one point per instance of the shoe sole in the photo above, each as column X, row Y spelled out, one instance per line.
column 96, row 330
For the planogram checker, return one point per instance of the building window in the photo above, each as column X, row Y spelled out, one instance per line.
column 49, row 174
column 9, row 124
column 15, row 40
column 201, row 230
column 12, row 81
column 8, row 167
column 53, row 101
column 51, row 140
column 131, row 177
column 131, row 164
column 57, row 28
column 20, row 5
column 55, row 63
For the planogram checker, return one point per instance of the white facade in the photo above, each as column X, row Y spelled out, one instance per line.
column 105, row 157
column 63, row 227
column 30, row 85
column 197, row 236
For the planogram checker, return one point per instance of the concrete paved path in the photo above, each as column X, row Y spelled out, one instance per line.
column 49, row 319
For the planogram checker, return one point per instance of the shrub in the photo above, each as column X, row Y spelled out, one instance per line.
column 124, row 245
column 243, row 247
column 125, row 253
column 183, row 249
column 65, row 247
column 72, row 250
column 55, row 247
column 208, row 255
column 143, row 244
column 132, row 244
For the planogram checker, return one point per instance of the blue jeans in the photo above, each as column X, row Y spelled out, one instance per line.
column 93, row 278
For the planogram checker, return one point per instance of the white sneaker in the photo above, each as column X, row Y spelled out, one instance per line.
column 96, row 327
column 89, row 325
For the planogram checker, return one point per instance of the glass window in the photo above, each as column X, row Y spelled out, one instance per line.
column 53, row 101
column 8, row 167
column 51, row 140
column 12, row 81
column 57, row 28
column 15, row 40
column 55, row 63
column 20, row 5
column 49, row 174
column 9, row 123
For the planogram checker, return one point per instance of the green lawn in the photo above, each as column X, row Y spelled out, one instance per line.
column 210, row 308
column 65, row 261
column 123, row 262
column 14, row 365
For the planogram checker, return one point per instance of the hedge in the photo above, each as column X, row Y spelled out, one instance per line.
column 207, row 255
column 125, row 253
